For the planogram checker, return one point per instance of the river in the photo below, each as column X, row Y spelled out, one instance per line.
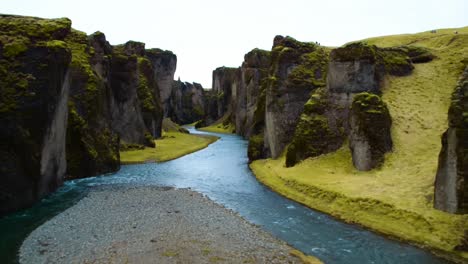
column 221, row 172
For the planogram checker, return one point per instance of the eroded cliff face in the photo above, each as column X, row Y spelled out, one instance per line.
column 92, row 145
column 294, row 73
column 226, row 82
column 451, row 184
column 34, row 88
column 187, row 103
column 164, row 65
column 136, row 108
column 66, row 99
column 254, row 70
column 369, row 136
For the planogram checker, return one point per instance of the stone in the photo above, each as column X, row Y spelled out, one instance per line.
column 187, row 103
column 369, row 136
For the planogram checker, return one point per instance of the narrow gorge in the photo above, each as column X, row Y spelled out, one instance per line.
column 374, row 132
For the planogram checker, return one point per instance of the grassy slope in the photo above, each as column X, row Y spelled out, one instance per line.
column 219, row 128
column 396, row 199
column 171, row 146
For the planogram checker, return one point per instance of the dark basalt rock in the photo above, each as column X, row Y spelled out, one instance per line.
column 296, row 70
column 92, row 146
column 313, row 135
column 369, row 137
column 253, row 71
column 451, row 184
column 164, row 65
column 225, row 83
column 34, row 87
column 187, row 103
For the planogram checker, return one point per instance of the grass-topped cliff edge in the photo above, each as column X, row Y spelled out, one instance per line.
column 173, row 144
column 396, row 199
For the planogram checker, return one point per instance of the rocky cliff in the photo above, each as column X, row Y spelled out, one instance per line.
column 164, row 64
column 296, row 70
column 254, row 70
column 66, row 101
column 226, row 82
column 300, row 97
column 187, row 103
column 92, row 145
column 451, row 184
column 34, row 88
column 350, row 106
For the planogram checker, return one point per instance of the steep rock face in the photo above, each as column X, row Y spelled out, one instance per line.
column 253, row 71
column 164, row 65
column 369, row 137
column 187, row 103
column 148, row 95
column 226, row 82
column 34, row 87
column 92, row 146
column 326, row 120
column 313, row 135
column 135, row 108
column 451, row 185
column 294, row 73
column 357, row 68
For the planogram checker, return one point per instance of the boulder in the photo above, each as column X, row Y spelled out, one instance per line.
column 369, row 136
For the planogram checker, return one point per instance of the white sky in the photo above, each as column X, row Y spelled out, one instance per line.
column 207, row 34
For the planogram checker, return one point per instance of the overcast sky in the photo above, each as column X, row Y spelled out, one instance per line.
column 206, row 34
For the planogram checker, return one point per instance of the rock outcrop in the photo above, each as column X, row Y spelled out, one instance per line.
column 226, row 82
column 187, row 103
column 34, row 88
column 369, row 135
column 92, row 145
column 296, row 70
column 164, row 64
column 451, row 184
column 254, row 70
column 136, row 108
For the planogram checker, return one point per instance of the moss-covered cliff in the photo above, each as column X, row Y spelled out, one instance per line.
column 66, row 101
column 34, row 88
column 92, row 146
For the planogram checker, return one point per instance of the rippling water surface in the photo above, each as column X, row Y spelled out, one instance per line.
column 221, row 172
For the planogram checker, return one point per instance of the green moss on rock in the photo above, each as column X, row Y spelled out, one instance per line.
column 313, row 135
column 255, row 149
column 370, row 124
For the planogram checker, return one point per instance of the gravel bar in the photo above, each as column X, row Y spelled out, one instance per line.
column 117, row 224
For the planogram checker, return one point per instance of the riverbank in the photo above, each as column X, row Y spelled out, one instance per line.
column 219, row 128
column 396, row 199
column 171, row 146
column 146, row 224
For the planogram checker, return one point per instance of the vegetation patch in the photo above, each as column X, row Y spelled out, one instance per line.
column 170, row 146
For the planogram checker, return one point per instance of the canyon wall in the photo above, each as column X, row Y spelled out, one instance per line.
column 34, row 90
column 67, row 102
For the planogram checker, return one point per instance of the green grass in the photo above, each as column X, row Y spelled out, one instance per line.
column 219, row 128
column 171, row 146
column 396, row 199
